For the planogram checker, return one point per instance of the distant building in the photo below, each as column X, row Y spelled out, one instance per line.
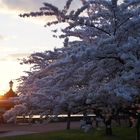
column 5, row 103
column 10, row 93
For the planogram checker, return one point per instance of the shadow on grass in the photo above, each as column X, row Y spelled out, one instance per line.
column 119, row 133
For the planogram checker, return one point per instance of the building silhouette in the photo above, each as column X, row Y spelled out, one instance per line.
column 5, row 103
column 10, row 93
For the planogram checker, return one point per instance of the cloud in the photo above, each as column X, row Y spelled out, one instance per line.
column 20, row 5
column 2, row 37
column 16, row 56
column 3, row 59
column 16, row 7
column 13, row 56
column 31, row 5
column 5, row 37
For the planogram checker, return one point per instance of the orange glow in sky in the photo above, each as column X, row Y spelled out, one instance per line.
column 10, row 70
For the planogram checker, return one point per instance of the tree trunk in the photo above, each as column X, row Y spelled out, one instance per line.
column 137, row 127
column 137, row 134
column 108, row 130
column 108, row 126
column 68, row 120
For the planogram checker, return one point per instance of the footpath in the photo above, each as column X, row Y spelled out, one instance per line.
column 24, row 129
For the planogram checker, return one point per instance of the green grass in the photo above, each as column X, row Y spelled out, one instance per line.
column 121, row 133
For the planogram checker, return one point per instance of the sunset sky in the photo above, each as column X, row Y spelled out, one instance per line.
column 19, row 37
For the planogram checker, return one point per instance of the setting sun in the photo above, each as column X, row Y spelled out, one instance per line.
column 9, row 71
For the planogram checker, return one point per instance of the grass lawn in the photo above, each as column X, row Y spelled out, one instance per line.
column 121, row 133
